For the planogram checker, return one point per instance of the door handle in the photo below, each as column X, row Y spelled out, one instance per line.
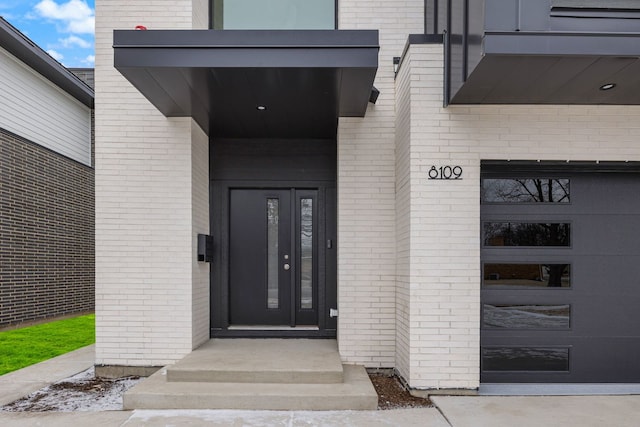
column 287, row 267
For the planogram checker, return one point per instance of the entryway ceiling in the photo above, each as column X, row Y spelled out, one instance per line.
column 553, row 68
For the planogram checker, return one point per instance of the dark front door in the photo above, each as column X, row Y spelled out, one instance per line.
column 273, row 257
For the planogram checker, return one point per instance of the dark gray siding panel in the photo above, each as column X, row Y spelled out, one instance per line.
column 475, row 35
column 436, row 16
column 522, row 15
column 273, row 159
column 457, row 44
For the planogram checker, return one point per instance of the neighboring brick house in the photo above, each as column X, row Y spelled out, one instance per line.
column 46, row 185
column 384, row 213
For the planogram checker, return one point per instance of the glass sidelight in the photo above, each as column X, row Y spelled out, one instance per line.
column 306, row 257
column 306, row 254
column 273, row 236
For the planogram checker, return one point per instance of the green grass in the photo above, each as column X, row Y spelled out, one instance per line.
column 26, row 346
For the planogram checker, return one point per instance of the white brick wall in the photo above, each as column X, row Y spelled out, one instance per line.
column 366, row 194
column 200, row 224
column 403, row 224
column 151, row 178
column 445, row 227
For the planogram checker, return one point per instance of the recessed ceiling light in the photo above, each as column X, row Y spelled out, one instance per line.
column 608, row 86
column 261, row 108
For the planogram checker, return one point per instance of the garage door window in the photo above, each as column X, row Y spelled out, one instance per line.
column 523, row 276
column 526, row 234
column 525, row 359
column 526, row 316
column 525, row 190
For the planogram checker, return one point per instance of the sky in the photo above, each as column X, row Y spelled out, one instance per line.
column 63, row 28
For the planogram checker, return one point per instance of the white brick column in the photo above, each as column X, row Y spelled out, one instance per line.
column 151, row 201
column 443, row 256
column 366, row 194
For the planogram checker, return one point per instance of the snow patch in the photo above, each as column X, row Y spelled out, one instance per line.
column 81, row 392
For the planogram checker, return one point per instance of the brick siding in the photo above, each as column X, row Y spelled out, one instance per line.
column 87, row 75
column 46, row 233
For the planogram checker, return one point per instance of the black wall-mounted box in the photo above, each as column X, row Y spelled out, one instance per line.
column 205, row 248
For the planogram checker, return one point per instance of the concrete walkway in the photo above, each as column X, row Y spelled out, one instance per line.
column 451, row 411
column 536, row 411
column 17, row 384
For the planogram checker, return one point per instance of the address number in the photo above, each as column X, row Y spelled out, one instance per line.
column 445, row 172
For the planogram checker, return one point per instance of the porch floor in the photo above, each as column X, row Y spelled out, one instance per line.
column 272, row 374
column 261, row 361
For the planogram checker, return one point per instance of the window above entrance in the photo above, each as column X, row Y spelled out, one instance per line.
column 273, row 14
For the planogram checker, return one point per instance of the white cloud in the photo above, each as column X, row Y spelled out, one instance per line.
column 4, row 11
column 76, row 15
column 8, row 16
column 90, row 60
column 55, row 55
column 75, row 41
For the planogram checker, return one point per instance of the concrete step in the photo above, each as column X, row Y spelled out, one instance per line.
column 355, row 393
column 290, row 361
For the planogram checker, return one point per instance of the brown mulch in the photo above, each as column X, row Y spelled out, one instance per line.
column 392, row 394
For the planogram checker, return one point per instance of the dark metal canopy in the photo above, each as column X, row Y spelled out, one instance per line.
column 555, row 68
column 253, row 83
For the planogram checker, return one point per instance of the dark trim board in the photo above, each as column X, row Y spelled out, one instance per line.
column 230, row 333
column 546, row 389
column 508, row 168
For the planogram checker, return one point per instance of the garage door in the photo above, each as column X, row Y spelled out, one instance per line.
column 560, row 274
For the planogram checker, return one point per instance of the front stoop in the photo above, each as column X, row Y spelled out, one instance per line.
column 257, row 374
column 355, row 393
column 261, row 361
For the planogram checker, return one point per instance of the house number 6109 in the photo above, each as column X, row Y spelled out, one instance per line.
column 445, row 172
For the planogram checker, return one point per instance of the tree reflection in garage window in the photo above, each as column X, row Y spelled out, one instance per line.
column 526, row 234
column 525, row 190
